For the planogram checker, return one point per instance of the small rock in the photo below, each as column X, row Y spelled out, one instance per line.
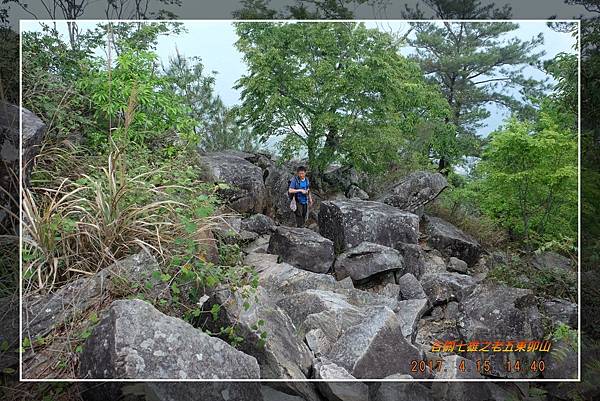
column 259, row 223
column 444, row 287
column 457, row 265
column 410, row 287
column 450, row 240
column 451, row 311
column 356, row 192
column 339, row 391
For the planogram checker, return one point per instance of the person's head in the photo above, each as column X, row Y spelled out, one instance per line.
column 301, row 171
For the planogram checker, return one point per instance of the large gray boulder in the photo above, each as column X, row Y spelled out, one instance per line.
column 414, row 258
column 246, row 192
column 303, row 248
column 41, row 315
column 494, row 312
column 415, row 191
column 409, row 312
column 340, row 178
column 349, row 222
column 277, row 184
column 498, row 311
column 283, row 279
column 258, row 223
column 330, row 311
column 561, row 311
column 364, row 349
column 552, row 260
column 282, row 355
column 214, row 391
column 32, row 134
column 172, row 391
column 135, row 341
column 445, row 287
column 450, row 240
column 367, row 259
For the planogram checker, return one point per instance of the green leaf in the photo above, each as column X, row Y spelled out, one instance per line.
column 216, row 308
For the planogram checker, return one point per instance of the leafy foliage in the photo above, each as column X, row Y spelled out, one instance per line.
column 474, row 65
column 216, row 123
column 337, row 91
column 136, row 101
column 529, row 179
column 129, row 176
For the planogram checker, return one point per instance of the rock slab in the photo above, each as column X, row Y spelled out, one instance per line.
column 136, row 341
column 303, row 248
column 349, row 222
column 451, row 241
column 366, row 260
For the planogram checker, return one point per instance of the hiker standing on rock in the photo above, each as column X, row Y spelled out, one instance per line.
column 300, row 190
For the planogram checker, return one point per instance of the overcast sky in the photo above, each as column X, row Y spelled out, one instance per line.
column 213, row 42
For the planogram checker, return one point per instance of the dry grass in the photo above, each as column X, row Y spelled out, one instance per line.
column 84, row 225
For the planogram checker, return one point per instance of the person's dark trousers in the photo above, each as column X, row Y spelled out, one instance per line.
column 301, row 211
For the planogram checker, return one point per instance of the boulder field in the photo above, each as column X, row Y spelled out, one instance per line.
column 363, row 293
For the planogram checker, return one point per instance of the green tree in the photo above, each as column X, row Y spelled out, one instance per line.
column 217, row 124
column 529, row 179
column 136, row 104
column 337, row 91
column 255, row 9
column 475, row 65
column 457, row 9
column 303, row 9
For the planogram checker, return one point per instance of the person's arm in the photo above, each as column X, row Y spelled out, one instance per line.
column 291, row 189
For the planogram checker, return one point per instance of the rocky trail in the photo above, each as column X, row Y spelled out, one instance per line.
column 362, row 293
